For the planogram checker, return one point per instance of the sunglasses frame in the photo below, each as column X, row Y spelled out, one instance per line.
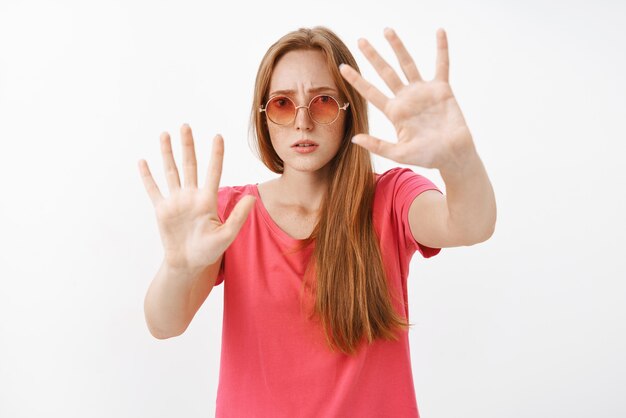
column 295, row 113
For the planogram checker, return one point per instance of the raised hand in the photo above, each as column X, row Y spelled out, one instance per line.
column 431, row 130
column 192, row 234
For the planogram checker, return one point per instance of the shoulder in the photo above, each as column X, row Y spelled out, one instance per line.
column 392, row 173
column 402, row 180
column 228, row 196
column 397, row 190
column 236, row 192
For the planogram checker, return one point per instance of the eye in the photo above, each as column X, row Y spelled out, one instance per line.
column 280, row 101
column 325, row 99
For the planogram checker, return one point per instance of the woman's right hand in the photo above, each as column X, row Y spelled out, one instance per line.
column 192, row 234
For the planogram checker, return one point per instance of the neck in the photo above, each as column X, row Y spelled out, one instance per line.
column 303, row 190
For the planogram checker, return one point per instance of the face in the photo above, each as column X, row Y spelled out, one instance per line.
column 299, row 72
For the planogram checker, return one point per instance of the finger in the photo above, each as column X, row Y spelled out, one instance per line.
column 443, row 60
column 375, row 145
column 406, row 62
column 214, row 174
column 149, row 184
column 381, row 66
column 171, row 172
column 366, row 90
column 238, row 216
column 190, row 165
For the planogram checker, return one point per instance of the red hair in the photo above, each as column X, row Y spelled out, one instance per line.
column 346, row 276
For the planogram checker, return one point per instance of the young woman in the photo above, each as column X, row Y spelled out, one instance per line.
column 315, row 262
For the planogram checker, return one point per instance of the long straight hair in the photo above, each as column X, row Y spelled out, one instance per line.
column 345, row 276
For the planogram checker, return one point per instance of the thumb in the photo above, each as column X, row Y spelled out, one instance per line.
column 373, row 144
column 237, row 217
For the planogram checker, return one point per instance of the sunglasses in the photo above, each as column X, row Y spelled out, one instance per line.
column 323, row 109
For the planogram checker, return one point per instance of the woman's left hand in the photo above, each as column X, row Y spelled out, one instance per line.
column 431, row 130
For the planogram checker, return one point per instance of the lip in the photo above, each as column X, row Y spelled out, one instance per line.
column 305, row 150
column 304, row 141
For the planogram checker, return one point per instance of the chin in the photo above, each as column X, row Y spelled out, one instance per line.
column 307, row 167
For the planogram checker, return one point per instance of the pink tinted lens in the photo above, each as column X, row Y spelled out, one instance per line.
column 323, row 109
column 280, row 110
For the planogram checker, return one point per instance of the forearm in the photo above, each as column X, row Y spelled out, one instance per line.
column 166, row 304
column 470, row 197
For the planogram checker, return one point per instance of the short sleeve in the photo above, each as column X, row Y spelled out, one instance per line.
column 224, row 206
column 405, row 185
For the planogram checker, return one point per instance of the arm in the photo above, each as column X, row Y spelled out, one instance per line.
column 193, row 234
column 174, row 297
column 432, row 133
column 466, row 216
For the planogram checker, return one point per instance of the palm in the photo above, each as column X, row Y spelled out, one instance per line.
column 186, row 225
column 192, row 233
column 429, row 124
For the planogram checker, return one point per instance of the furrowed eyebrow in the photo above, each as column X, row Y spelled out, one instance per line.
column 313, row 90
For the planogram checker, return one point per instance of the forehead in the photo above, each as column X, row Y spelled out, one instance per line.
column 301, row 69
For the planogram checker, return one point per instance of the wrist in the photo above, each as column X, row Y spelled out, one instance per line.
column 462, row 163
column 174, row 268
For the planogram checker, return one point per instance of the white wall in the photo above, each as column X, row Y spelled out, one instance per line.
column 529, row 323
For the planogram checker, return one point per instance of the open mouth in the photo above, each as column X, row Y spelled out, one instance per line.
column 305, row 148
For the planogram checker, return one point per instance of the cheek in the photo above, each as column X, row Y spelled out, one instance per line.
column 274, row 135
column 339, row 128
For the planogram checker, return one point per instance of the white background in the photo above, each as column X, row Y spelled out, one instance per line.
column 529, row 323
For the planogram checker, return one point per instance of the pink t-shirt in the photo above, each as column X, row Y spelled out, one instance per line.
column 274, row 360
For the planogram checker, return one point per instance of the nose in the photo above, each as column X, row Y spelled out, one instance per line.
column 303, row 119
